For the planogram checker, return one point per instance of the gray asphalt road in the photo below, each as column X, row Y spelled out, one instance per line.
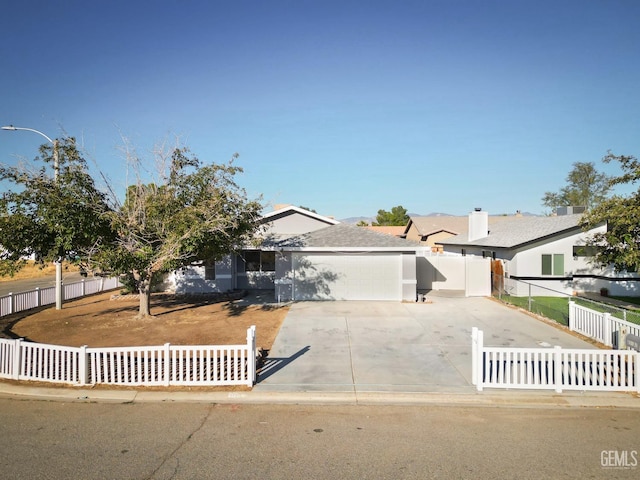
column 15, row 286
column 52, row 440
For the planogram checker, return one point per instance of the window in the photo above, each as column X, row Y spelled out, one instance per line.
column 268, row 261
column 256, row 261
column 210, row 271
column 553, row 264
column 252, row 261
column 584, row 250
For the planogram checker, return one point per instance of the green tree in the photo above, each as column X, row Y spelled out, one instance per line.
column 308, row 209
column 362, row 223
column 48, row 218
column 396, row 217
column 620, row 244
column 194, row 212
column 586, row 187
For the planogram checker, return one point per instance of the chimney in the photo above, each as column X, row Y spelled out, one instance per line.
column 478, row 224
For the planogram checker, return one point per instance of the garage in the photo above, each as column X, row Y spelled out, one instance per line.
column 345, row 262
column 347, row 276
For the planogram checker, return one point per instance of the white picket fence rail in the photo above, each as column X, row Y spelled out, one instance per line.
column 165, row 365
column 553, row 368
column 601, row 326
column 39, row 297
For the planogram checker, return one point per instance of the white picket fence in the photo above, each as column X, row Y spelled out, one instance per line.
column 603, row 327
column 39, row 297
column 165, row 365
column 553, row 368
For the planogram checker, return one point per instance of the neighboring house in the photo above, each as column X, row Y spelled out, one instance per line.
column 305, row 256
column 432, row 230
column 545, row 251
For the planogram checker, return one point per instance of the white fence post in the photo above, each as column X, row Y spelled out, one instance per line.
column 606, row 329
column 11, row 303
column 251, row 355
column 83, row 366
column 637, row 368
column 83, row 287
column 474, row 356
column 572, row 314
column 557, row 368
column 38, row 297
column 17, row 358
column 479, row 360
column 167, row 364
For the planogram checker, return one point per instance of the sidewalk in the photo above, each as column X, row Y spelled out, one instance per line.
column 502, row 399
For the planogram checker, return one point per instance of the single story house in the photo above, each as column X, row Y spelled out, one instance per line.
column 549, row 252
column 302, row 255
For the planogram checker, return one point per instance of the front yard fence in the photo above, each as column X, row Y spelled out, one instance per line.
column 165, row 365
column 553, row 368
column 40, row 297
column 601, row 326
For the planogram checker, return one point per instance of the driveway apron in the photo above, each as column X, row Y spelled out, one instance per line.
column 360, row 346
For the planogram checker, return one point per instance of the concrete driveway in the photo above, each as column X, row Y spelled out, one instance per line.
column 395, row 347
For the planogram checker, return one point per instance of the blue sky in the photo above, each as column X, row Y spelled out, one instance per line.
column 344, row 107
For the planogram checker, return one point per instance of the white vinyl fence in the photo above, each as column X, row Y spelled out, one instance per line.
column 601, row 326
column 166, row 365
column 18, row 302
column 553, row 368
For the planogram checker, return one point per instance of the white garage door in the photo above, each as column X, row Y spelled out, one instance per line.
column 333, row 276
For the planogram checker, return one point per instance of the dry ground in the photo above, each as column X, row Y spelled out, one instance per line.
column 33, row 270
column 99, row 321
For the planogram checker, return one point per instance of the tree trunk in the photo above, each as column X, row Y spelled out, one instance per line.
column 144, row 289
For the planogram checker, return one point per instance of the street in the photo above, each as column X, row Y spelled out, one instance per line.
column 16, row 286
column 57, row 440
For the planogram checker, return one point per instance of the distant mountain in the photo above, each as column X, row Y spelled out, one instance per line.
column 369, row 220
column 355, row 220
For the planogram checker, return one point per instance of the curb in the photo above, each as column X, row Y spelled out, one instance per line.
column 502, row 399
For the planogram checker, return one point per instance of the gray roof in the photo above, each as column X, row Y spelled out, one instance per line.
column 344, row 235
column 518, row 231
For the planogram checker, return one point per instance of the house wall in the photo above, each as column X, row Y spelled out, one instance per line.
column 192, row 278
column 578, row 274
column 293, row 224
column 409, row 277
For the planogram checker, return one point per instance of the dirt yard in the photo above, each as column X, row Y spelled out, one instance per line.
column 100, row 321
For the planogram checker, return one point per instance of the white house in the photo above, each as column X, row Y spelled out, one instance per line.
column 305, row 256
column 546, row 251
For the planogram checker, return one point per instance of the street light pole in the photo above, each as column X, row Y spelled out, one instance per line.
column 56, row 168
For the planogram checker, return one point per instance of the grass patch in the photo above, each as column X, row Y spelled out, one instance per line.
column 634, row 300
column 555, row 308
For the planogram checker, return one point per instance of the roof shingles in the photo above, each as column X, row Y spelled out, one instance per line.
column 343, row 235
column 519, row 231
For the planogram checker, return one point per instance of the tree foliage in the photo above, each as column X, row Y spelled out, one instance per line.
column 193, row 212
column 396, row 217
column 48, row 218
column 585, row 187
column 620, row 244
